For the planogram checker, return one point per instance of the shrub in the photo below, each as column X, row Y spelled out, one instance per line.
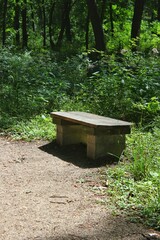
column 134, row 184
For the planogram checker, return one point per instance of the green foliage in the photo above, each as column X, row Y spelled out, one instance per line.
column 134, row 185
column 118, row 83
column 120, row 38
column 143, row 153
column 29, row 85
column 39, row 127
column 125, row 86
column 147, row 110
column 150, row 36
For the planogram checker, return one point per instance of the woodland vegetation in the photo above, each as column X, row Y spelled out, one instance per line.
column 96, row 56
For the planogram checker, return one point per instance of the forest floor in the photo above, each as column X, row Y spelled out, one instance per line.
column 46, row 193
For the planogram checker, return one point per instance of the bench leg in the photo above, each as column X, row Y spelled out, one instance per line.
column 100, row 146
column 70, row 134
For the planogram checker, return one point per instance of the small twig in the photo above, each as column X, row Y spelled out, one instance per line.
column 57, row 196
column 76, row 237
column 146, row 237
column 58, row 202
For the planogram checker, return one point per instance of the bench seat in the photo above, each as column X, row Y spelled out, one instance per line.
column 102, row 135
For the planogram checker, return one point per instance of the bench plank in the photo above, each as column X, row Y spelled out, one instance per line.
column 89, row 119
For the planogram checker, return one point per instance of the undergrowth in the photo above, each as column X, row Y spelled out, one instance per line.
column 123, row 86
column 38, row 127
column 134, row 184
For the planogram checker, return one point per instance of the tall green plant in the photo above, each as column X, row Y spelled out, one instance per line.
column 143, row 154
column 134, row 184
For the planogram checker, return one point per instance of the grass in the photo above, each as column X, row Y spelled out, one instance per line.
column 39, row 127
column 134, row 184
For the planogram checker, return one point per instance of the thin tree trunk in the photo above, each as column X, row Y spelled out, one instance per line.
column 87, row 31
column 103, row 10
column 50, row 25
column 5, row 3
column 136, row 21
column 65, row 15
column 44, row 24
column 16, row 22
column 60, row 37
column 32, row 16
column 111, row 18
column 158, row 15
column 68, row 23
column 96, row 25
column 24, row 25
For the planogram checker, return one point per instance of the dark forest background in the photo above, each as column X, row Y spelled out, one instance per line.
column 80, row 25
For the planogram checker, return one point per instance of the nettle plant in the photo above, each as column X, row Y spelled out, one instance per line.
column 148, row 110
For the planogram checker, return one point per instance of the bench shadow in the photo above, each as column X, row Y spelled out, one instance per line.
column 77, row 155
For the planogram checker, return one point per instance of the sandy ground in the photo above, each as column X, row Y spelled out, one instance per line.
column 44, row 195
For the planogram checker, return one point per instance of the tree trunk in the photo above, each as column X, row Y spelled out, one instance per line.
column 16, row 22
column 60, row 37
column 65, row 22
column 68, row 23
column 103, row 8
column 52, row 44
column 32, row 16
column 158, row 15
column 87, row 31
column 44, row 23
column 24, row 25
column 111, row 18
column 96, row 25
column 5, row 3
column 136, row 21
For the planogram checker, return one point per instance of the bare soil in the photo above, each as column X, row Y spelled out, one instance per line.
column 46, row 194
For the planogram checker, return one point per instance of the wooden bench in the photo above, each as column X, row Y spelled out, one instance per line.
column 102, row 135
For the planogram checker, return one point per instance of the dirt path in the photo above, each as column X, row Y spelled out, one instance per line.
column 43, row 197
